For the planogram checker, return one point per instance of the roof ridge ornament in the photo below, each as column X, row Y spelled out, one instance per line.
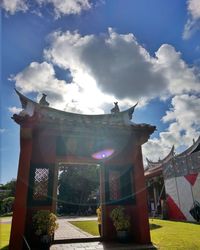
column 115, row 109
column 131, row 110
column 43, row 101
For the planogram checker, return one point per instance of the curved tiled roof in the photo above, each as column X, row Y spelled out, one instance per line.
column 46, row 113
column 159, row 163
column 180, row 165
column 194, row 147
column 155, row 168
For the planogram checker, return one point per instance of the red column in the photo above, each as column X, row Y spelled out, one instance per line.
column 143, row 233
column 20, row 205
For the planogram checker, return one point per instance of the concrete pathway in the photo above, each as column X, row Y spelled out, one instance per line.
column 101, row 246
column 68, row 231
column 5, row 220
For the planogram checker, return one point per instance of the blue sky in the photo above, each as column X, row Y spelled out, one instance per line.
column 87, row 54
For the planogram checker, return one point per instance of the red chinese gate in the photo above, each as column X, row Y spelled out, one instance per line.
column 49, row 136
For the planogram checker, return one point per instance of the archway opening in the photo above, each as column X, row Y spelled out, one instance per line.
column 78, row 197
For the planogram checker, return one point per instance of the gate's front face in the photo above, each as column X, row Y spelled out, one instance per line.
column 57, row 136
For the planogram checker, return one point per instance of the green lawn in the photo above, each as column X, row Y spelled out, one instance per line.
column 4, row 235
column 175, row 235
column 167, row 235
column 90, row 226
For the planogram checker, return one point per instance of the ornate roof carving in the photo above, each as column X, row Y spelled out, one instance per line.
column 194, row 147
column 155, row 168
column 176, row 165
column 50, row 120
column 159, row 163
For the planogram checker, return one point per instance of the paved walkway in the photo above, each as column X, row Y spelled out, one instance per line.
column 100, row 246
column 5, row 220
column 68, row 231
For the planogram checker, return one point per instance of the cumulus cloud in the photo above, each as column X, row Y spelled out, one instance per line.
column 14, row 110
column 121, row 66
column 60, row 7
column 181, row 77
column 114, row 66
column 117, row 63
column 40, row 78
column 66, row 7
column 12, row 6
column 194, row 8
column 184, row 126
column 193, row 22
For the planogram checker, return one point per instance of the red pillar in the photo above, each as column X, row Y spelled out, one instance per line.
column 143, row 233
column 20, row 205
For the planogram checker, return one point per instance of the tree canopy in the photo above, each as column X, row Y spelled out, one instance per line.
column 77, row 188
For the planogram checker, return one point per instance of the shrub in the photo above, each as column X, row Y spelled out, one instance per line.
column 45, row 223
column 120, row 220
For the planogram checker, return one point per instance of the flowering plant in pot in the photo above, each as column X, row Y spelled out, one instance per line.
column 121, row 222
column 45, row 225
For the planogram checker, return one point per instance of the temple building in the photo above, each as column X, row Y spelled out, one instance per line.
column 173, row 185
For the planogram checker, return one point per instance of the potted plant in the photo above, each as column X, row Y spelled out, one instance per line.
column 45, row 225
column 121, row 223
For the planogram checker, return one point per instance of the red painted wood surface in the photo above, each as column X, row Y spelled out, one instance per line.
column 20, row 205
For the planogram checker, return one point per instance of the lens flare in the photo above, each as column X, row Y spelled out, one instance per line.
column 103, row 154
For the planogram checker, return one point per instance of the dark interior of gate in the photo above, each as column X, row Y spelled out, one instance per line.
column 49, row 136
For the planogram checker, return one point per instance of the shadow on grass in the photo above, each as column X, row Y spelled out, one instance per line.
column 154, row 226
column 188, row 222
column 6, row 215
column 4, row 248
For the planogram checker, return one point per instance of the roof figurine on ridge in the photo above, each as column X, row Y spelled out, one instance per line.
column 43, row 100
column 115, row 109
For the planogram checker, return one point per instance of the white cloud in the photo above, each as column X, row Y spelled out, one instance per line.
column 40, row 78
column 193, row 22
column 194, row 8
column 117, row 63
column 2, row 130
column 113, row 67
column 66, row 7
column 184, row 126
column 181, row 77
column 121, row 66
column 60, row 7
column 12, row 6
column 14, row 110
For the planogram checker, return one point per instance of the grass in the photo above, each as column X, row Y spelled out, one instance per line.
column 90, row 226
column 175, row 235
column 4, row 236
column 6, row 215
column 167, row 235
